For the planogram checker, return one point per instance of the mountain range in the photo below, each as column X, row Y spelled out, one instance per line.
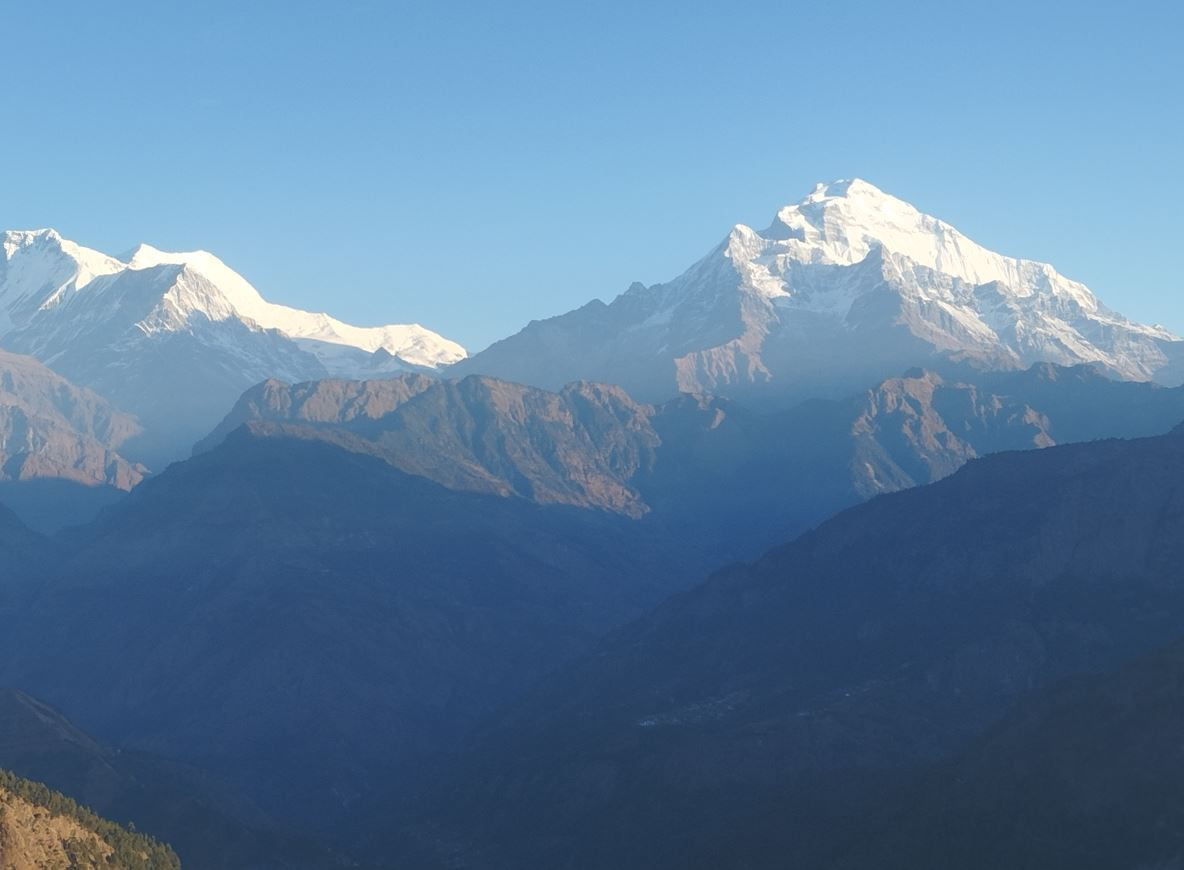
column 703, row 470
column 312, row 624
column 759, row 566
column 789, row 706
column 357, row 574
column 844, row 288
column 174, row 338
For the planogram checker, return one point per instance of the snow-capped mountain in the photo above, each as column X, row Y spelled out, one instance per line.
column 344, row 349
column 846, row 287
column 176, row 337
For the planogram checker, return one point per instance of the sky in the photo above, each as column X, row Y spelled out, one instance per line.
column 473, row 166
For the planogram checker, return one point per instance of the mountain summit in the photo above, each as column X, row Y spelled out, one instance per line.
column 333, row 342
column 176, row 337
column 846, row 287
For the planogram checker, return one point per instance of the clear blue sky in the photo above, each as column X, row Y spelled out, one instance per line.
column 474, row 166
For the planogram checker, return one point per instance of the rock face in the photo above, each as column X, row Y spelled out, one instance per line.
column 332, row 401
column 843, row 289
column 703, row 469
column 31, row 839
column 582, row 446
column 41, row 829
column 176, row 337
column 60, row 446
column 919, row 428
column 51, row 428
column 767, row 712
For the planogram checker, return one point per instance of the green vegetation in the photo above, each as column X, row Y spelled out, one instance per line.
column 130, row 850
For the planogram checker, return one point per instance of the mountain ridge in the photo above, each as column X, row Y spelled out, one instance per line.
column 361, row 558
column 844, row 288
column 54, row 283
column 743, row 480
column 774, row 706
column 391, row 604
column 175, row 338
column 61, row 446
column 49, row 427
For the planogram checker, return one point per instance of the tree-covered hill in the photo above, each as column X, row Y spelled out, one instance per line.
column 40, row 827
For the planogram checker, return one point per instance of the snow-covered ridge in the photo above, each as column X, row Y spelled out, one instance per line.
column 847, row 223
column 845, row 287
column 175, row 338
column 40, row 270
column 842, row 222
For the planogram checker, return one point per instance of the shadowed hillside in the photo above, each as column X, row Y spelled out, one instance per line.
column 766, row 712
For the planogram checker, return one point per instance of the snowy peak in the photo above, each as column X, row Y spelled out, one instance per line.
column 844, row 287
column 234, row 286
column 47, row 244
column 40, row 268
column 412, row 343
column 144, row 256
column 232, row 295
column 17, row 240
column 33, row 258
column 850, row 208
column 175, row 337
column 842, row 222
